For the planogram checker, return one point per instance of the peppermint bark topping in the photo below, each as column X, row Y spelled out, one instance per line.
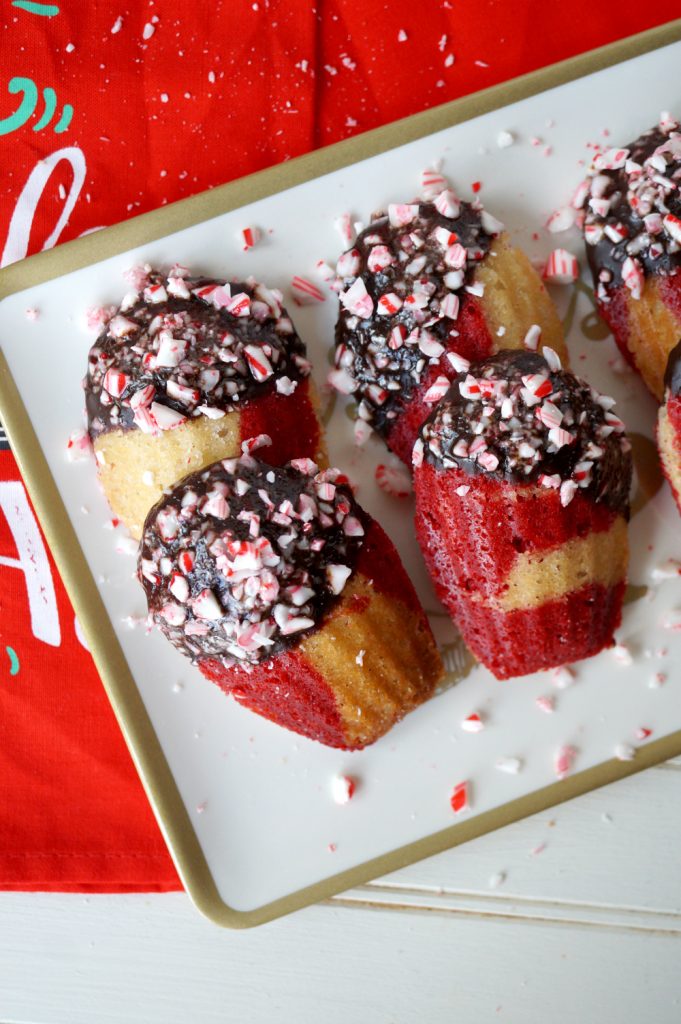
column 632, row 223
column 519, row 417
column 242, row 560
column 401, row 286
column 180, row 347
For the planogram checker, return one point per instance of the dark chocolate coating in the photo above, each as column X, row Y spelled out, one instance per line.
column 594, row 439
column 374, row 363
column 294, row 551
column 608, row 255
column 215, row 341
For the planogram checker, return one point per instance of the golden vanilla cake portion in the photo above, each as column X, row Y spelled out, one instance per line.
column 522, row 477
column 184, row 373
column 632, row 231
column 375, row 653
column 423, row 285
column 285, row 593
column 668, row 434
column 651, row 326
column 514, row 298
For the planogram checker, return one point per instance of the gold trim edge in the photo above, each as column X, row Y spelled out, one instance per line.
column 121, row 688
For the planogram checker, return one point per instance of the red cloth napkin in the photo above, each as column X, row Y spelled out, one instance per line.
column 111, row 109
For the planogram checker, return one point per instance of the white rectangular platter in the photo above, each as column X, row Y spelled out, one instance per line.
column 259, row 798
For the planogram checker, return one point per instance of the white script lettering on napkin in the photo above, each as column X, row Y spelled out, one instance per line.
column 32, row 561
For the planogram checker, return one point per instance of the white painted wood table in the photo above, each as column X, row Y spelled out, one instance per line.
column 573, row 915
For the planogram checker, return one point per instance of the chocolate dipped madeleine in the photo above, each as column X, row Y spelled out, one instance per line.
column 632, row 231
column 290, row 597
column 428, row 280
column 522, row 478
column 185, row 370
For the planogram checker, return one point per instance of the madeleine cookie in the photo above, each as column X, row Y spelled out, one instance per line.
column 183, row 373
column 422, row 285
column 522, row 499
column 285, row 593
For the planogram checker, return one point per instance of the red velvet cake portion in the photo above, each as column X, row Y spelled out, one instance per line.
column 507, row 521
column 289, row 692
column 670, row 293
column 285, row 593
column 292, row 426
column 522, row 482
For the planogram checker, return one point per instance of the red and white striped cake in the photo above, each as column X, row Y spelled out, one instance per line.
column 522, row 478
column 290, row 597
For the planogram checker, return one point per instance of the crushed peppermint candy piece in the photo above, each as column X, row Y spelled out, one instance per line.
column 561, row 220
column 249, row 237
column 505, row 139
column 509, row 765
column 563, row 676
column 622, row 654
column 357, row 300
column 562, row 267
column 642, row 733
column 532, row 338
column 337, row 576
column 342, row 381
column 401, row 214
column 546, row 704
column 343, row 788
column 448, row 204
column 459, row 800
column 437, row 390
column 325, row 271
column 632, row 275
column 394, row 479
column 624, row 752
column 126, row 546
column 345, row 228
column 432, row 183
column 78, row 446
column 305, row 293
column 473, row 723
column 667, row 570
column 564, row 760
column 97, row 317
